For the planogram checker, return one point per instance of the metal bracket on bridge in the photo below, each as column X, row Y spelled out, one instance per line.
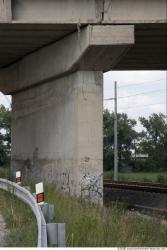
column 56, row 234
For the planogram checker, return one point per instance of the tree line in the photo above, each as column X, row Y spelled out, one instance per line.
column 151, row 142
column 5, row 135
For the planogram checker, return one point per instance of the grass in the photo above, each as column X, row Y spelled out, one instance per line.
column 20, row 222
column 113, row 226
column 5, row 172
column 140, row 176
column 87, row 225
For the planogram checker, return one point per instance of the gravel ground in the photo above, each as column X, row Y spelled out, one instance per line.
column 2, row 230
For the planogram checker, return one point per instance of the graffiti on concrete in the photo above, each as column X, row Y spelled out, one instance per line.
column 91, row 187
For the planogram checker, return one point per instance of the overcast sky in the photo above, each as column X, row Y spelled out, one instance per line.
column 142, row 92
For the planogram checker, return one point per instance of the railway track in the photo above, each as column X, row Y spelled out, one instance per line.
column 141, row 195
column 137, row 186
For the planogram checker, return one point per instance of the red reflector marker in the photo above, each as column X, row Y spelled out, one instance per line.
column 39, row 193
column 18, row 177
column 40, row 198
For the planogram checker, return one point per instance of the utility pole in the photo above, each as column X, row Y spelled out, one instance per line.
column 166, row 98
column 115, row 137
column 115, row 133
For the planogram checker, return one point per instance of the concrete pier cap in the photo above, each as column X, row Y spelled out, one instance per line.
column 57, row 109
column 95, row 47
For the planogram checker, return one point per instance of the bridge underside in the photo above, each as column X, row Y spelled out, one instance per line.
column 52, row 56
column 148, row 52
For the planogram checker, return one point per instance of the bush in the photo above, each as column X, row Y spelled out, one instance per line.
column 5, row 172
column 161, row 179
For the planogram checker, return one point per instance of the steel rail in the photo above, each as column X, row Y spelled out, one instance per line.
column 138, row 186
column 24, row 195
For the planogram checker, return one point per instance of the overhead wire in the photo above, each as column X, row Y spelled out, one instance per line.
column 142, row 93
column 146, row 105
column 138, row 94
column 139, row 83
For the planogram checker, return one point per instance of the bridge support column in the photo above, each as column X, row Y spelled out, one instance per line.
column 57, row 133
column 57, row 107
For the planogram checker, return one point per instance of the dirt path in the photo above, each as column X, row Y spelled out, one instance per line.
column 2, row 230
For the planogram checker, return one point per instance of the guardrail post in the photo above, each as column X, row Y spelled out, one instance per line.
column 34, row 195
column 48, row 211
column 56, row 234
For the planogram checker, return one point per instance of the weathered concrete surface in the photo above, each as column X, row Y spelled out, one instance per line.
column 89, row 11
column 5, row 11
column 57, row 133
column 130, row 11
column 2, row 231
column 89, row 49
column 59, row 11
column 138, row 198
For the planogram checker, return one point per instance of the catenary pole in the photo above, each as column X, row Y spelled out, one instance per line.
column 166, row 97
column 115, row 136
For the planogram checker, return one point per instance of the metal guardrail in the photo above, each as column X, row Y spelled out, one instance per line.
column 24, row 195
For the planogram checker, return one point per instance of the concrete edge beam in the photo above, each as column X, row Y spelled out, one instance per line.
column 130, row 11
column 88, row 12
column 58, row 11
column 5, row 11
column 74, row 52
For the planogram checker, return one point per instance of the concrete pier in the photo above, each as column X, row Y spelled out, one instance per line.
column 57, row 132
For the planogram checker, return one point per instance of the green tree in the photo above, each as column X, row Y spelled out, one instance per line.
column 126, row 136
column 154, row 141
column 5, row 134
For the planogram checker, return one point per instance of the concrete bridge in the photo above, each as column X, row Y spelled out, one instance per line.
column 52, row 57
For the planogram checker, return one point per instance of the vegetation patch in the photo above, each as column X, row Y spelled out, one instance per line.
column 5, row 172
column 143, row 151
column 140, row 176
column 20, row 222
column 87, row 225
column 112, row 226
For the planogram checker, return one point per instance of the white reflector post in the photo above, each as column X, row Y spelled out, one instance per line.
column 39, row 193
column 18, row 177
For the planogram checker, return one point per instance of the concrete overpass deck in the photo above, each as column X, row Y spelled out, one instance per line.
column 19, row 39
column 26, row 26
column 148, row 53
